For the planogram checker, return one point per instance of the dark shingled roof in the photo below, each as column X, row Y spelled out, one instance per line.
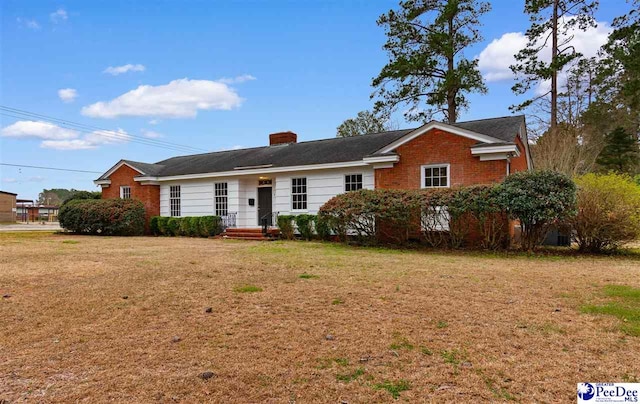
column 334, row 150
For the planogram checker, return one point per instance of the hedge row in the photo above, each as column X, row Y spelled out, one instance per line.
column 192, row 226
column 448, row 217
column 308, row 226
column 107, row 217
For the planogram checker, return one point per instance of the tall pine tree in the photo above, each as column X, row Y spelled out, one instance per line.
column 551, row 23
column 620, row 153
column 426, row 40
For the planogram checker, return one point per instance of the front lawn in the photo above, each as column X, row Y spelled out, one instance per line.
column 192, row 320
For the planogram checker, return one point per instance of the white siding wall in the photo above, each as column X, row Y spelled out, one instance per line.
column 321, row 186
column 197, row 195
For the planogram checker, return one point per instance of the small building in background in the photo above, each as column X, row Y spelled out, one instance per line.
column 7, row 207
column 28, row 211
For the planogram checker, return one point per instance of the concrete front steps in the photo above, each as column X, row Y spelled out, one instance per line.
column 251, row 234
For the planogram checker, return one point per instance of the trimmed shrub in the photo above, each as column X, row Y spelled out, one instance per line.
column 608, row 213
column 305, row 225
column 173, row 226
column 162, row 225
column 322, row 227
column 210, row 226
column 153, row 225
column 107, row 217
column 285, row 223
column 82, row 195
column 193, row 226
column 538, row 199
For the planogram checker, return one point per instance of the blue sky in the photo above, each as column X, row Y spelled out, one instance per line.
column 214, row 75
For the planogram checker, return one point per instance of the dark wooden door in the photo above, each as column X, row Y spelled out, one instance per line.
column 265, row 206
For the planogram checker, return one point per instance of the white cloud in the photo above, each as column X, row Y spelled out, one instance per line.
column 67, row 94
column 237, row 79
column 28, row 23
column 151, row 134
column 116, row 70
column 60, row 15
column 495, row 58
column 38, row 129
column 36, row 178
column 55, row 137
column 181, row 98
column 154, row 122
column 9, row 180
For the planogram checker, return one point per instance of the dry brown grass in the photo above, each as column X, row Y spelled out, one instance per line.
column 450, row 327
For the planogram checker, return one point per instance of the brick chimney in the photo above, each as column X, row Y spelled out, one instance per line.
column 282, row 138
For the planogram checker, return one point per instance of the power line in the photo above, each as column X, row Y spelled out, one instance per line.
column 95, row 130
column 107, row 135
column 85, row 126
column 50, row 168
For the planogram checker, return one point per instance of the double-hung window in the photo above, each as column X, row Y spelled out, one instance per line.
column 125, row 192
column 435, row 176
column 174, row 200
column 221, row 198
column 352, row 182
column 299, row 193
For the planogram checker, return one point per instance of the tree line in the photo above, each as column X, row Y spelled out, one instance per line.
column 586, row 120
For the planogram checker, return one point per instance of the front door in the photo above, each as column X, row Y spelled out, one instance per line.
column 264, row 206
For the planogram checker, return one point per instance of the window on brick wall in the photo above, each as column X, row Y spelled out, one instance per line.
column 299, row 193
column 435, row 176
column 352, row 182
column 174, row 200
column 125, row 192
column 221, row 198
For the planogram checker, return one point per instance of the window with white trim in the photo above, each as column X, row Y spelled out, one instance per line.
column 125, row 192
column 221, row 198
column 352, row 182
column 174, row 200
column 299, row 193
column 435, row 176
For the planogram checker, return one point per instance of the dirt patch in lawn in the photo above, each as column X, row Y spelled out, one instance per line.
column 192, row 320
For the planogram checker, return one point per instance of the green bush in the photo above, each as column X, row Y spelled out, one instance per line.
column 162, row 225
column 82, row 195
column 193, row 226
column 322, row 227
column 107, row 217
column 538, row 199
column 173, row 226
column 285, row 223
column 210, row 226
column 153, row 225
column 608, row 213
column 305, row 225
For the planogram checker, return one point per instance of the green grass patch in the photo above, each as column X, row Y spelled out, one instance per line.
column 351, row 376
column 394, row 388
column 247, row 289
column 308, row 276
column 626, row 292
column 401, row 344
column 624, row 305
column 70, row 242
column 442, row 324
column 337, row 301
column 426, row 351
column 341, row 361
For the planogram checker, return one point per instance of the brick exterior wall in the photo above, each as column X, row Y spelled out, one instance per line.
column 438, row 147
column 519, row 163
column 149, row 195
column 7, row 208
